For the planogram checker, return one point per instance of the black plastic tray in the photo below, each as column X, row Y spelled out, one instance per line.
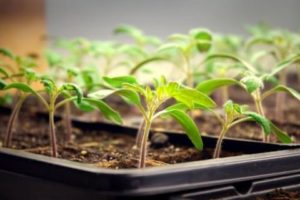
column 244, row 190
column 24, row 174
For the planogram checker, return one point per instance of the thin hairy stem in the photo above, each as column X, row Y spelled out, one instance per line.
column 68, row 123
column 280, row 98
column 260, row 110
column 217, row 151
column 12, row 119
column 52, row 133
column 139, row 135
column 143, row 147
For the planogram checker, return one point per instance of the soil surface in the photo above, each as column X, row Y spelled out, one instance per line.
column 100, row 148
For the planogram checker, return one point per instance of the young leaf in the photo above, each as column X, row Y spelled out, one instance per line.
column 84, row 106
column 234, row 58
column 2, row 84
column 178, row 37
column 257, row 40
column 117, row 82
column 252, row 83
column 262, row 121
column 153, row 40
column 188, row 125
column 20, row 86
column 4, row 72
column 53, row 58
column 144, row 62
column 48, row 84
column 128, row 95
column 190, row 97
column 7, row 53
column 209, row 86
column 75, row 88
column 232, row 110
column 282, row 136
column 105, row 109
column 129, row 30
column 284, row 64
column 282, row 88
column 203, row 39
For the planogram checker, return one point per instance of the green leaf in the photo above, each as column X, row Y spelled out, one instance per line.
column 209, row 86
column 234, row 58
column 7, row 53
column 282, row 88
column 129, row 30
column 203, row 39
column 153, row 40
column 281, row 135
column 188, row 125
column 191, row 97
column 2, row 84
column 30, row 75
column 144, row 62
column 20, row 86
column 6, row 99
column 108, row 112
column 252, row 83
column 262, row 121
column 282, row 65
column 232, row 110
column 117, row 82
column 172, row 46
column 75, row 88
column 49, row 84
column 128, row 95
column 183, row 107
column 257, row 40
column 178, row 106
column 135, row 52
column 135, row 87
column 84, row 106
column 53, row 58
column 4, row 72
column 178, row 37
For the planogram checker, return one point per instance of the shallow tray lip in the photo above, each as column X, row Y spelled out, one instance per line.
column 143, row 176
column 153, row 130
column 172, row 168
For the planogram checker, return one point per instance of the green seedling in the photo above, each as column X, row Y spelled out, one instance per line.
column 21, row 68
column 129, row 89
column 253, row 82
column 187, row 47
column 230, row 44
column 59, row 67
column 140, row 39
column 119, row 55
column 283, row 45
column 78, row 50
column 65, row 90
column 20, row 72
column 236, row 114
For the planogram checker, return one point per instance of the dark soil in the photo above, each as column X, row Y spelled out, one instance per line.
column 100, row 148
column 280, row 194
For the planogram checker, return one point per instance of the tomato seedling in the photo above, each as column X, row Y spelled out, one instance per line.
column 134, row 93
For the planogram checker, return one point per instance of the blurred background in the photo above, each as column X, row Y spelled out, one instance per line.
column 24, row 24
column 96, row 19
